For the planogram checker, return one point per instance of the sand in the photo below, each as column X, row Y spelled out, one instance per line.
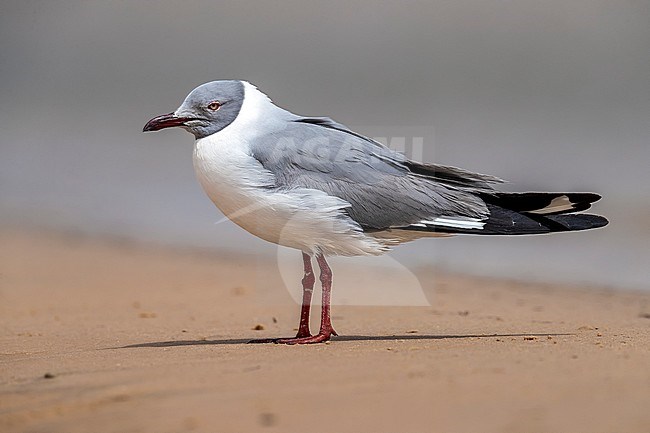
column 110, row 336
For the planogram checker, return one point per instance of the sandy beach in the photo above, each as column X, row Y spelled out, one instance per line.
column 109, row 336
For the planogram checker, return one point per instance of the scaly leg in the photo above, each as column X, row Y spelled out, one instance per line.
column 326, row 329
column 308, row 281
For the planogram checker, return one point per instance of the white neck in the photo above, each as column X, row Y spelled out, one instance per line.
column 257, row 115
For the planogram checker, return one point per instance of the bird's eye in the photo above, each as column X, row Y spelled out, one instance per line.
column 214, row 105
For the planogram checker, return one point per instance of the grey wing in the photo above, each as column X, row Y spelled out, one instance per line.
column 383, row 188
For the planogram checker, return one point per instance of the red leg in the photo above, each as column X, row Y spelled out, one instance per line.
column 326, row 330
column 308, row 281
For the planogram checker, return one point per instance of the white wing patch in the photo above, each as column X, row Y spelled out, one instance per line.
column 558, row 204
column 457, row 223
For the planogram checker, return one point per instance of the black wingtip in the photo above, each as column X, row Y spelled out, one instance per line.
column 579, row 221
column 543, row 203
column 586, row 197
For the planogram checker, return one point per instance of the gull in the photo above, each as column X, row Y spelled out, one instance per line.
column 312, row 184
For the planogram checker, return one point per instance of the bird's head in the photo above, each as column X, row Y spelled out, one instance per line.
column 207, row 109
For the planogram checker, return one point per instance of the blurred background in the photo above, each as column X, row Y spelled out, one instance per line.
column 551, row 95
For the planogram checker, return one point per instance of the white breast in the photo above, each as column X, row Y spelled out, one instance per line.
column 306, row 219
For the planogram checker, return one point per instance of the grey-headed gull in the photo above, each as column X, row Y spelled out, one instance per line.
column 313, row 184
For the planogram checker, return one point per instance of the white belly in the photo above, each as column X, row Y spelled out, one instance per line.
column 305, row 219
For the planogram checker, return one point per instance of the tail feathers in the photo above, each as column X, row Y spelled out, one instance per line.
column 544, row 203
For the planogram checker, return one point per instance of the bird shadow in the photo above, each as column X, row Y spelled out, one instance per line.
column 228, row 341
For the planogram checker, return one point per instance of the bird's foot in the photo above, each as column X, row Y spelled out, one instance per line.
column 321, row 337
